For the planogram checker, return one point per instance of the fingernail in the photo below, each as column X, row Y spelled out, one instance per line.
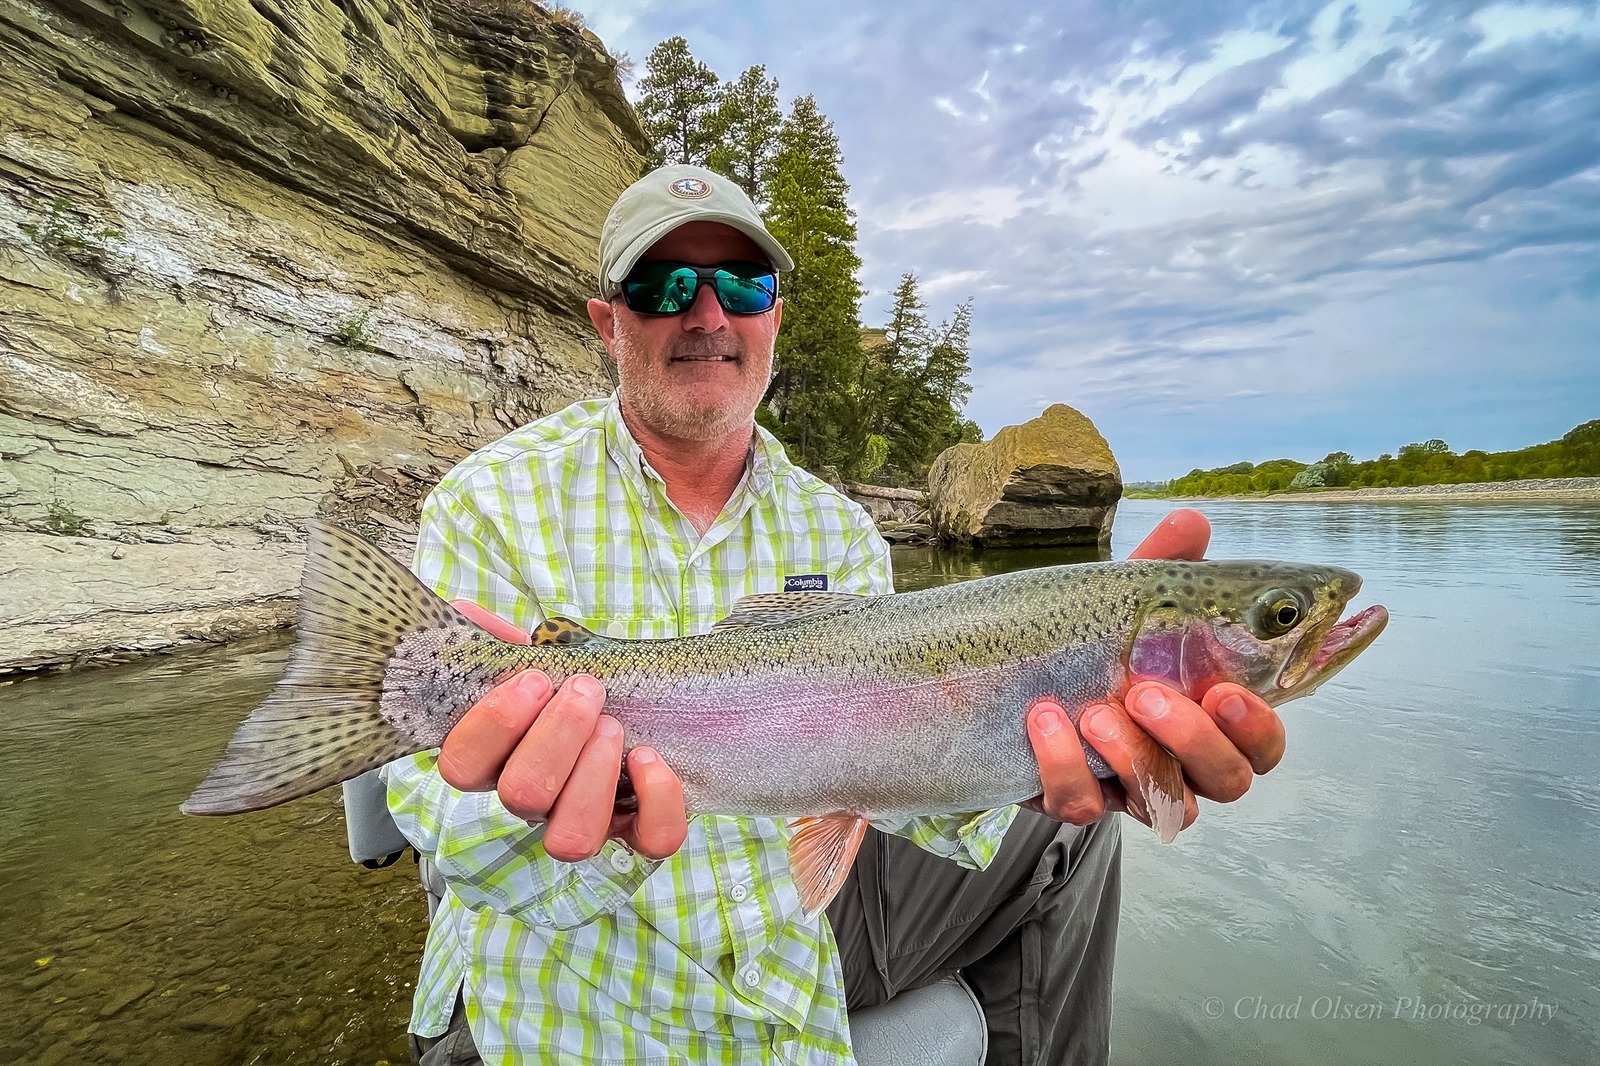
column 1232, row 709
column 643, row 755
column 608, row 727
column 587, row 687
column 1049, row 722
column 1151, row 702
column 1100, row 723
column 533, row 683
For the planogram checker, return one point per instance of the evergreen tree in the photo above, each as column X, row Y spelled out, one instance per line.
column 912, row 388
column 744, row 130
column 679, row 100
column 819, row 347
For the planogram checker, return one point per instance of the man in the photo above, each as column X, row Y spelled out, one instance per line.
column 577, row 931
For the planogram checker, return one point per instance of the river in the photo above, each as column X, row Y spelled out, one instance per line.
column 1416, row 883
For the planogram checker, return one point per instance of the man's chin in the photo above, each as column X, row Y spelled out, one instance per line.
column 707, row 425
column 689, row 420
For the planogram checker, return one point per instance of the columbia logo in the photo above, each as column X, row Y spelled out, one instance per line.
column 806, row 583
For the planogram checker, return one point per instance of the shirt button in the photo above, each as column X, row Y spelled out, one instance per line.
column 738, row 892
column 752, row 977
column 616, row 629
column 622, row 860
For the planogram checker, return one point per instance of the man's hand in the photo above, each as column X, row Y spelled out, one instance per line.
column 553, row 757
column 1223, row 741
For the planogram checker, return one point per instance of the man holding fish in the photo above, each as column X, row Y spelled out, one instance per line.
column 579, row 928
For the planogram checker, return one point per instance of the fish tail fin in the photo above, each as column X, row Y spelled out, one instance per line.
column 1159, row 799
column 322, row 723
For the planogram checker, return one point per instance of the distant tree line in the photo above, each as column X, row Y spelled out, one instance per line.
column 879, row 408
column 1431, row 462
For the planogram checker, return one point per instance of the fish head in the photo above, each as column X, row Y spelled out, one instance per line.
column 1272, row 627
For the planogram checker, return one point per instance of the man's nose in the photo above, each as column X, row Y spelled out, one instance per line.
column 705, row 314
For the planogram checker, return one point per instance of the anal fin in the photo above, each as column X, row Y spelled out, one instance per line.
column 821, row 851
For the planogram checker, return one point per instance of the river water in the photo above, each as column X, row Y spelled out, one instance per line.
column 1416, row 883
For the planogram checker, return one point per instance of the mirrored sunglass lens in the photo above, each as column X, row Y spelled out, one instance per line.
column 746, row 294
column 661, row 289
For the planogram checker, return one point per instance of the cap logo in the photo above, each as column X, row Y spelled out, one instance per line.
column 690, row 188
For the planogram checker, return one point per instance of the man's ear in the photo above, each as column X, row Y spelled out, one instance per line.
column 604, row 317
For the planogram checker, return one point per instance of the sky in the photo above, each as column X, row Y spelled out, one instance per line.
column 1223, row 231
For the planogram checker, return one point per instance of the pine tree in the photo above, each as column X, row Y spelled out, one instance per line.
column 914, row 385
column 819, row 347
column 679, row 100
column 744, row 129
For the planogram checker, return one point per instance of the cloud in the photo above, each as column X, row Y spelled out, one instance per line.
column 1220, row 227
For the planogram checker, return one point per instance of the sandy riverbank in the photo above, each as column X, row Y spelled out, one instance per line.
column 1560, row 488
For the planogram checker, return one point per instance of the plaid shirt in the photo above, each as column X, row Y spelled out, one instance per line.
column 706, row 956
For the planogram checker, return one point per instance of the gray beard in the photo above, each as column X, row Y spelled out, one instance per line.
column 666, row 412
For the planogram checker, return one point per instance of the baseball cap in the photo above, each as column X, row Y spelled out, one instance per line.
column 665, row 199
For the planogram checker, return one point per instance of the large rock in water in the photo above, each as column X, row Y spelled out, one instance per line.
column 1051, row 481
column 252, row 251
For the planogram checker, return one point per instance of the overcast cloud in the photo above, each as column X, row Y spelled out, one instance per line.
column 1223, row 232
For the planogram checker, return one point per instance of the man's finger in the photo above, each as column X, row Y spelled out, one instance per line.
column 1071, row 791
column 1249, row 722
column 491, row 623
column 659, row 828
column 1124, row 746
column 1183, row 534
column 475, row 751
column 537, row 771
column 1216, row 768
column 578, row 823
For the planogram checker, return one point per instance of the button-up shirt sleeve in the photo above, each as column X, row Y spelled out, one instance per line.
column 971, row 840
column 487, row 855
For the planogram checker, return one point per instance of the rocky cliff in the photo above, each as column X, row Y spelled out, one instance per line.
column 256, row 255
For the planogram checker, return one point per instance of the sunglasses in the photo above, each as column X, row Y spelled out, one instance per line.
column 665, row 287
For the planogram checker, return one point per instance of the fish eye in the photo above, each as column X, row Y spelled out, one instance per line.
column 1277, row 612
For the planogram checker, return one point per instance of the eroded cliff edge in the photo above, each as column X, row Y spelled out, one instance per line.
column 258, row 256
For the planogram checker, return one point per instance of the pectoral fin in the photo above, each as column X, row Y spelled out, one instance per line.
column 820, row 853
column 1160, row 793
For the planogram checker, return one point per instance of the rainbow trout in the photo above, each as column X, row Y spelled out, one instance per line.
column 828, row 708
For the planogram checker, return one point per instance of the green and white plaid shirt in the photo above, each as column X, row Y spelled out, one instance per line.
column 705, row 957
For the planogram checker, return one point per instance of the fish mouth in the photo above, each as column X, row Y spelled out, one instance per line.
column 1341, row 642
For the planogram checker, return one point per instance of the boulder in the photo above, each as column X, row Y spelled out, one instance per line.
column 1051, row 481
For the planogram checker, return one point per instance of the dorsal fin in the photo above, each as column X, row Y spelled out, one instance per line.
column 559, row 630
column 774, row 608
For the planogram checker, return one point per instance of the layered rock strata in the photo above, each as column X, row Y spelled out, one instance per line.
column 252, row 248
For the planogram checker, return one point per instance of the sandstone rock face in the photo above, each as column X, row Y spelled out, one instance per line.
column 250, row 248
column 1051, row 481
